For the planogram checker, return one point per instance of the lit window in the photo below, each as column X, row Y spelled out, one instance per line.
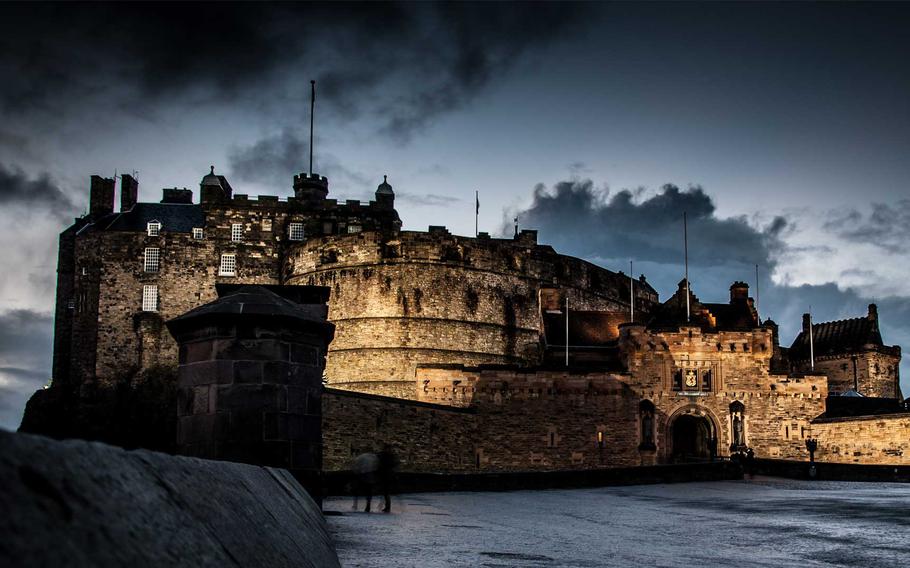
column 266, row 224
column 197, row 233
column 150, row 298
column 295, row 231
column 228, row 265
column 154, row 227
column 237, row 232
column 354, row 228
column 151, row 259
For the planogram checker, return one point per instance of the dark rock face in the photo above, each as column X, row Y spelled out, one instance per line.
column 79, row 503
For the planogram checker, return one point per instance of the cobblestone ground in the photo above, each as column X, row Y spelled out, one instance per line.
column 758, row 522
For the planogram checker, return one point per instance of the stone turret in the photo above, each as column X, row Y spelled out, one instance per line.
column 214, row 187
column 385, row 197
column 311, row 188
column 250, row 377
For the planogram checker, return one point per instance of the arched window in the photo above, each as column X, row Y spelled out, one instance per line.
column 737, row 426
column 646, row 419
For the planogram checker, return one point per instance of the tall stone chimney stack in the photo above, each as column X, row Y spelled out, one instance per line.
column 129, row 192
column 101, row 197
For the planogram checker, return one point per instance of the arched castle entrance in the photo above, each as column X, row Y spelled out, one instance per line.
column 691, row 434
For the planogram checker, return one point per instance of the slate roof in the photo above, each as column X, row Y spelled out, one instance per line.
column 174, row 218
column 833, row 337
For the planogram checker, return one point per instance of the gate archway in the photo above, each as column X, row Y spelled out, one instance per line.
column 692, row 436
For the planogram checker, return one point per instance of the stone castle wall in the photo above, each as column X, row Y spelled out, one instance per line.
column 881, row 439
column 426, row 298
column 425, row 437
column 877, row 372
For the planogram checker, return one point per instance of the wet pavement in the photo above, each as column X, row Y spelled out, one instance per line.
column 759, row 522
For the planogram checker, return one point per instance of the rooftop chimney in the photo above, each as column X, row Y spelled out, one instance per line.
column 739, row 291
column 174, row 195
column 101, row 197
column 129, row 192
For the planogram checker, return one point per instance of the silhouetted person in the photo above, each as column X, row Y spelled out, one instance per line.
column 750, row 462
column 385, row 475
column 365, row 467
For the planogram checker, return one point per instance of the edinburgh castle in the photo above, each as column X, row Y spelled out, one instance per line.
column 465, row 354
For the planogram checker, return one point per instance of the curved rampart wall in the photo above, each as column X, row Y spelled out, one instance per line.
column 418, row 298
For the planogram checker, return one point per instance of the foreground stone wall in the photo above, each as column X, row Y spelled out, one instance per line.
column 87, row 504
column 882, row 439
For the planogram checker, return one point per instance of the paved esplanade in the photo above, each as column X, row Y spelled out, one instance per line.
column 760, row 522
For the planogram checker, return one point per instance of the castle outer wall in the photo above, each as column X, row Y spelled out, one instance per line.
column 415, row 298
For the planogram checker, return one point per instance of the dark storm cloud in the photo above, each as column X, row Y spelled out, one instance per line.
column 274, row 160
column 404, row 63
column 24, row 333
column 16, row 189
column 886, row 226
column 576, row 216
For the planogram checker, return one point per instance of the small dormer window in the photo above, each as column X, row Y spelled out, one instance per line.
column 354, row 229
column 237, row 232
column 197, row 233
column 295, row 231
column 153, row 228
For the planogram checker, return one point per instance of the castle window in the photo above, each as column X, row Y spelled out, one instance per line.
column 295, row 231
column 600, row 439
column 237, row 232
column 197, row 233
column 354, row 228
column 551, row 441
column 151, row 259
column 745, row 346
column 732, row 347
column 228, row 265
column 153, row 228
column 677, row 380
column 266, row 224
column 150, row 298
column 706, row 381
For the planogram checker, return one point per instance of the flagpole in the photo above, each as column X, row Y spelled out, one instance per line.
column 631, row 294
column 476, row 210
column 757, row 295
column 686, row 252
column 811, row 343
column 567, row 329
column 312, row 110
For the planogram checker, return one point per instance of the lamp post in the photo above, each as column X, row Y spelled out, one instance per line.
column 811, row 445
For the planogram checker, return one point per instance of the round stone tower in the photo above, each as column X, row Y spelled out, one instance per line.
column 410, row 298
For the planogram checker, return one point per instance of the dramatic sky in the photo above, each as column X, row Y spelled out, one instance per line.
column 782, row 129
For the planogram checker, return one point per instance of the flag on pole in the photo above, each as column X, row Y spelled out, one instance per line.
column 477, row 202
